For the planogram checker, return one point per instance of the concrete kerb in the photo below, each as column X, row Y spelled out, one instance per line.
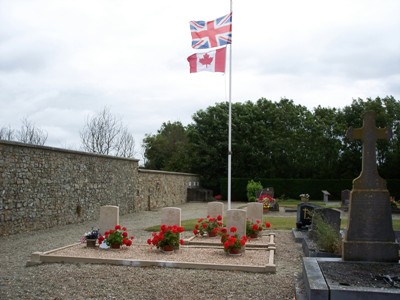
column 52, row 257
column 317, row 288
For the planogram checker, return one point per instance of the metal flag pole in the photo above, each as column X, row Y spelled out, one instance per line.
column 230, row 124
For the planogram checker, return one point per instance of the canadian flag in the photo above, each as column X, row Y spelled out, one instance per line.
column 212, row 61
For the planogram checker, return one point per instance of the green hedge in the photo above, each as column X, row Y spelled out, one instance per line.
column 292, row 188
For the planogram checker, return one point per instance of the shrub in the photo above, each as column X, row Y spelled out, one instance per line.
column 252, row 188
column 325, row 236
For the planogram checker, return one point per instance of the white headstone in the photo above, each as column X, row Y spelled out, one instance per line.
column 171, row 216
column 215, row 209
column 255, row 211
column 236, row 218
column 109, row 217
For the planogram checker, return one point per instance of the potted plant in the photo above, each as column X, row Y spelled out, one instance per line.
column 116, row 237
column 233, row 243
column 90, row 237
column 208, row 225
column 253, row 230
column 304, row 197
column 168, row 238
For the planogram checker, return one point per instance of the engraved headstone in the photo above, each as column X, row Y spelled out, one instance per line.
column 171, row 216
column 255, row 211
column 215, row 209
column 305, row 212
column 369, row 235
column 236, row 218
column 109, row 217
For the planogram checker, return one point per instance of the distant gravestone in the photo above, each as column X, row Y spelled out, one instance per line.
column 171, row 216
column 369, row 235
column 305, row 212
column 215, row 209
column 326, row 195
column 109, row 217
column 268, row 191
column 345, row 197
column 236, row 218
column 330, row 216
column 255, row 211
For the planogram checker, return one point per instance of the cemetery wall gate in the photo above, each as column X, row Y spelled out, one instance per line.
column 42, row 187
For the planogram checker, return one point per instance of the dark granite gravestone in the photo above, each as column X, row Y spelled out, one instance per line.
column 304, row 215
column 369, row 235
column 345, row 197
column 330, row 216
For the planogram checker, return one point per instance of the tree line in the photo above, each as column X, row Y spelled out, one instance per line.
column 275, row 140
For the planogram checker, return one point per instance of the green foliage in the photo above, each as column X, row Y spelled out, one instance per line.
column 169, row 149
column 276, row 139
column 325, row 236
column 252, row 188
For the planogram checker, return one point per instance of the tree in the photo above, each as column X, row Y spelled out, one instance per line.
column 168, row 150
column 105, row 134
column 6, row 133
column 28, row 133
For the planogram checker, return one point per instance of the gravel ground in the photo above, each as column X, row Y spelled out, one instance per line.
column 83, row 281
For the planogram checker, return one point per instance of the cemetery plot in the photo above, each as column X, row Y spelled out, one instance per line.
column 267, row 241
column 259, row 260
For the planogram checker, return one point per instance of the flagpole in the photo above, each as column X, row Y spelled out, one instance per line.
column 230, row 124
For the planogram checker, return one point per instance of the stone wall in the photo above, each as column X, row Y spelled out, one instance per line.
column 160, row 189
column 42, row 187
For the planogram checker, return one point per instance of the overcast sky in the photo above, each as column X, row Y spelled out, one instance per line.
column 63, row 60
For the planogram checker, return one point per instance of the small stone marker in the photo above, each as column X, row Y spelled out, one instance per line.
column 215, row 209
column 171, row 216
column 109, row 217
column 255, row 211
column 326, row 195
column 370, row 235
column 236, row 218
column 305, row 212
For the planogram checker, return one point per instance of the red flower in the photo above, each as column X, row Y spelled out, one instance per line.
column 149, row 241
column 181, row 242
column 204, row 225
column 219, row 218
column 200, row 220
column 132, row 237
column 195, row 231
column 255, row 227
column 124, row 228
column 258, row 221
column 267, row 224
column 117, row 227
column 196, row 226
column 233, row 229
column 125, row 234
column 128, row 243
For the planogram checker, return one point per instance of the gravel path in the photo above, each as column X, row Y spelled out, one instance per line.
column 78, row 281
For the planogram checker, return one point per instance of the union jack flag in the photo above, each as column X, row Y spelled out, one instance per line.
column 212, row 33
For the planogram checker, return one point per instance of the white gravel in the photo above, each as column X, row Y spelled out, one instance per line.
column 86, row 281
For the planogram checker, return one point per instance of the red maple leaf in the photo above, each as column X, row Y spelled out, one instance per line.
column 206, row 60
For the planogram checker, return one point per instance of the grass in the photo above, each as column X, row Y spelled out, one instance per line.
column 292, row 203
column 283, row 223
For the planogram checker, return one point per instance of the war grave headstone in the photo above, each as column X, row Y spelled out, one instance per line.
column 345, row 197
column 255, row 211
column 215, row 209
column 236, row 218
column 109, row 217
column 171, row 216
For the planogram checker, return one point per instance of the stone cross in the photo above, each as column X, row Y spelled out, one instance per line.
column 369, row 134
column 369, row 235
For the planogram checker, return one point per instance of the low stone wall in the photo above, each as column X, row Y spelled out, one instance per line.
column 42, row 187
